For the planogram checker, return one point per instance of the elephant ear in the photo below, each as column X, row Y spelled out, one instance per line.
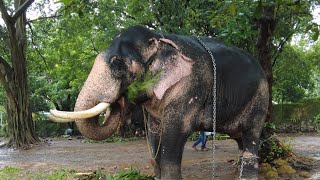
column 173, row 66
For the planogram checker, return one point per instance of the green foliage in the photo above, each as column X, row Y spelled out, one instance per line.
column 270, row 126
column 47, row 128
column 8, row 173
column 9, row 169
column 142, row 84
column 4, row 131
column 313, row 55
column 61, row 174
column 131, row 174
column 271, row 149
column 295, row 113
column 63, row 48
column 113, row 139
column 292, row 78
column 194, row 136
column 317, row 123
column 2, row 98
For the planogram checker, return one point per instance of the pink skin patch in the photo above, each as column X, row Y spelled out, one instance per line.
column 135, row 67
column 173, row 73
column 168, row 41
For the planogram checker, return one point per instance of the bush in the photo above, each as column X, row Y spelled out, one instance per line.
column 4, row 130
column 317, row 123
column 45, row 128
column 132, row 174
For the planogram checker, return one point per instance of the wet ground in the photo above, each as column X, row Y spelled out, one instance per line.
column 111, row 157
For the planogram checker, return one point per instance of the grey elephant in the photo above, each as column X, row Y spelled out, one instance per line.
column 180, row 101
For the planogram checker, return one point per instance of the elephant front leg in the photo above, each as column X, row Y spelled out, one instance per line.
column 154, row 144
column 171, row 153
column 171, row 156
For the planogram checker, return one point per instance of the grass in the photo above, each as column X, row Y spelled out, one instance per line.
column 113, row 139
column 12, row 173
column 142, row 84
column 131, row 174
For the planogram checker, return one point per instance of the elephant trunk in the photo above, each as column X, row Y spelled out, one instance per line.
column 99, row 87
column 92, row 128
column 100, row 92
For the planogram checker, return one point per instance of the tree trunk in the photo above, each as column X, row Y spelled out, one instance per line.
column 14, row 78
column 20, row 124
column 266, row 25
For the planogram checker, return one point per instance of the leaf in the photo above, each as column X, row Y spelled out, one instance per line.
column 65, row 2
column 233, row 9
column 315, row 35
column 258, row 11
column 308, row 28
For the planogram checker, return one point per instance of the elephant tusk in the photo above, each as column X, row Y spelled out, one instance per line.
column 101, row 107
column 59, row 120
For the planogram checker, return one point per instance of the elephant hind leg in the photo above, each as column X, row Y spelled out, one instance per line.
column 255, row 113
column 249, row 159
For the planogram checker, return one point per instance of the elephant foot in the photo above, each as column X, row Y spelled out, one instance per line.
column 249, row 168
column 156, row 169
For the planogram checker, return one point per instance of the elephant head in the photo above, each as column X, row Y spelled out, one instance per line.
column 132, row 54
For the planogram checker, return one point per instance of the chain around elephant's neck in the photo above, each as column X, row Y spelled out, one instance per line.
column 214, row 103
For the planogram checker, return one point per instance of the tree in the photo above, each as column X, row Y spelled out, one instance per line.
column 63, row 48
column 313, row 55
column 293, row 76
column 14, row 75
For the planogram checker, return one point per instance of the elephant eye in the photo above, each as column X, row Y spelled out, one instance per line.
column 118, row 67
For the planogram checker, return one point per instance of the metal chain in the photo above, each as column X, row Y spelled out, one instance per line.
column 241, row 168
column 150, row 149
column 247, row 160
column 214, row 106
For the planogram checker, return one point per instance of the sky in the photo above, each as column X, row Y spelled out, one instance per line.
column 316, row 15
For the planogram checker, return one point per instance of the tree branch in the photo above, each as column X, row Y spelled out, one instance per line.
column 43, row 18
column 21, row 10
column 6, row 17
column 5, row 72
column 38, row 51
column 280, row 48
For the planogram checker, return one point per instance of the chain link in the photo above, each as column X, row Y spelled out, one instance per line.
column 214, row 104
column 241, row 168
column 251, row 160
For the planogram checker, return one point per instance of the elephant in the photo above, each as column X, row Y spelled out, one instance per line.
column 133, row 122
column 181, row 99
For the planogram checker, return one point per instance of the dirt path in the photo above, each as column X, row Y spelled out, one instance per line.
column 112, row 157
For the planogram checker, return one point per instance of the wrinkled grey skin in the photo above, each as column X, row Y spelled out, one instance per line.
column 180, row 103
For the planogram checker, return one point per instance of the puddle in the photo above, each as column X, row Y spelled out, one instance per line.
column 315, row 176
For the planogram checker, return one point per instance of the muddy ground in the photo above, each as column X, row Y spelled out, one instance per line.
column 62, row 153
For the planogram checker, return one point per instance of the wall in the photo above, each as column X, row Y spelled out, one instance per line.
column 299, row 117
